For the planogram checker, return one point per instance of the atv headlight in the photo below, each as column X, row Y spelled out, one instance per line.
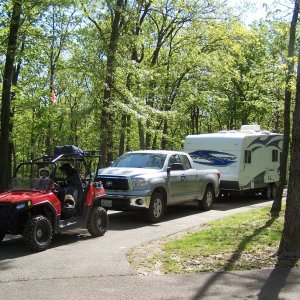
column 139, row 183
column 22, row 205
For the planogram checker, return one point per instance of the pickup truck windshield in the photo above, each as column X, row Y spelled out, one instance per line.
column 140, row 160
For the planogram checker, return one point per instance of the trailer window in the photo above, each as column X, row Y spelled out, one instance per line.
column 274, row 155
column 247, row 156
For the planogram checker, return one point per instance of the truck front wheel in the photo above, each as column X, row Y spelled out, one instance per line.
column 98, row 221
column 37, row 233
column 157, row 208
column 208, row 199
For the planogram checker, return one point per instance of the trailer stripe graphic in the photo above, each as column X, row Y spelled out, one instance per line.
column 213, row 158
column 267, row 142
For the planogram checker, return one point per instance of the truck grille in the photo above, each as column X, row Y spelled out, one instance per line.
column 114, row 183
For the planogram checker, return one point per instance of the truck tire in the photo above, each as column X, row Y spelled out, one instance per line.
column 157, row 208
column 98, row 221
column 37, row 233
column 208, row 199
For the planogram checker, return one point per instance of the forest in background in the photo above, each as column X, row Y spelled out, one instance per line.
column 119, row 75
column 140, row 74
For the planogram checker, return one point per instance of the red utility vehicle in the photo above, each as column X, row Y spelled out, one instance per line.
column 35, row 206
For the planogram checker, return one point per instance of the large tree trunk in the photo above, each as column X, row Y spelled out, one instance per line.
column 143, row 7
column 290, row 241
column 276, row 207
column 6, row 94
column 106, row 120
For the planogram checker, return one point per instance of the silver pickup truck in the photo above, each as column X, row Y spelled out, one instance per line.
column 154, row 179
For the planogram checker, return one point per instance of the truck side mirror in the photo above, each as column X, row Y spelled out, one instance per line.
column 168, row 170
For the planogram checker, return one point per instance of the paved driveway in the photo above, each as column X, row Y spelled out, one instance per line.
column 77, row 264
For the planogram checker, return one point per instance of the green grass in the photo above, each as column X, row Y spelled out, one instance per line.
column 242, row 242
column 249, row 230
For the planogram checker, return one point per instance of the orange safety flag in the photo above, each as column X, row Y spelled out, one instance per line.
column 53, row 97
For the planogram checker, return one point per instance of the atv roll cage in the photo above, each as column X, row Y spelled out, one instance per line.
column 83, row 160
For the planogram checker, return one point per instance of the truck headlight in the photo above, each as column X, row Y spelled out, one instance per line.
column 139, row 182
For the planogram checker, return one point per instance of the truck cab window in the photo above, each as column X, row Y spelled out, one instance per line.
column 174, row 159
column 185, row 162
column 247, row 156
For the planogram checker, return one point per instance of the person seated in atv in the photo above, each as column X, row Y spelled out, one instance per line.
column 43, row 180
column 44, row 172
column 73, row 190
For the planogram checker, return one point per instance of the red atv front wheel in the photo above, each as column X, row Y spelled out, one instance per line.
column 98, row 221
column 38, row 233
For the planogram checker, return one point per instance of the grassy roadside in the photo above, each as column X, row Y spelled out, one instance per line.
column 244, row 241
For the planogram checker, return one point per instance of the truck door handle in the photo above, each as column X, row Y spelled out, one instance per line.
column 182, row 177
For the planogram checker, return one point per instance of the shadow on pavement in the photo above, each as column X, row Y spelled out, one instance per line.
column 14, row 246
column 277, row 280
column 232, row 260
column 135, row 219
column 237, row 201
column 127, row 220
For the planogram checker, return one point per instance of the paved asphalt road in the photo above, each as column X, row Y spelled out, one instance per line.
column 79, row 267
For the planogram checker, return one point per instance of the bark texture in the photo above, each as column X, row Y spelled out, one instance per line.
column 290, row 241
column 7, row 95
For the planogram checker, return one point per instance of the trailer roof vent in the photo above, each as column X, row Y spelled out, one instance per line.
column 253, row 127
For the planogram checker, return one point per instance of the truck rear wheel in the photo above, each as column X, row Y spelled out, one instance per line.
column 37, row 233
column 98, row 221
column 157, row 208
column 208, row 199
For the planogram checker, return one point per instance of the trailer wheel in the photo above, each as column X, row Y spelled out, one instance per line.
column 157, row 208
column 208, row 199
column 267, row 193
column 37, row 233
column 274, row 188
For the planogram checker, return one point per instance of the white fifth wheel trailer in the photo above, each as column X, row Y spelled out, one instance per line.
column 248, row 159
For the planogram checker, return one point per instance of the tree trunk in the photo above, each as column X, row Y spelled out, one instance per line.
column 123, row 132
column 128, row 130
column 164, row 140
column 6, row 94
column 141, row 135
column 106, row 120
column 276, row 206
column 290, row 241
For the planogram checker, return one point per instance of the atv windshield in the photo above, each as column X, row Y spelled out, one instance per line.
column 35, row 184
column 140, row 160
column 31, row 176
